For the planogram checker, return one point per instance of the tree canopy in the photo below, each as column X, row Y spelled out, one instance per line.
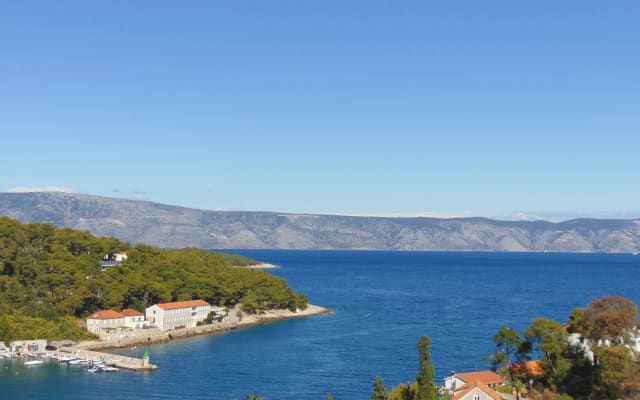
column 597, row 363
column 424, row 378
column 52, row 273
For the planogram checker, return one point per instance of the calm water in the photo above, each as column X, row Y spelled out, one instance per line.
column 383, row 301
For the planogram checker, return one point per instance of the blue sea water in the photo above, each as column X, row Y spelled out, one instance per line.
column 383, row 302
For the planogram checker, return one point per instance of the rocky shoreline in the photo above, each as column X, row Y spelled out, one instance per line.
column 237, row 320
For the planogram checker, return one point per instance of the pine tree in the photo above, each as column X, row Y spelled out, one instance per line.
column 426, row 386
column 379, row 391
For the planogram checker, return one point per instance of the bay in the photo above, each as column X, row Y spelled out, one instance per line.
column 383, row 302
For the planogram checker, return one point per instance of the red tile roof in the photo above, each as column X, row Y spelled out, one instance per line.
column 105, row 314
column 476, row 385
column 129, row 312
column 486, row 377
column 182, row 304
column 529, row 368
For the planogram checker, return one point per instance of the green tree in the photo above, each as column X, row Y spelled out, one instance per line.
column 424, row 378
column 619, row 373
column 551, row 339
column 379, row 390
column 510, row 349
column 404, row 391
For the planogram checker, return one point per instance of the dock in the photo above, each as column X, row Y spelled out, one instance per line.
column 115, row 360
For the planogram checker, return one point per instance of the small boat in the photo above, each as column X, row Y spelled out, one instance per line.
column 33, row 363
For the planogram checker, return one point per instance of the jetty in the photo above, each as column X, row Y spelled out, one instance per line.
column 114, row 360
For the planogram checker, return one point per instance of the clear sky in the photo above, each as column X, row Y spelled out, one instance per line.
column 333, row 106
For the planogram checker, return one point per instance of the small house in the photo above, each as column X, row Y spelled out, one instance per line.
column 133, row 318
column 113, row 259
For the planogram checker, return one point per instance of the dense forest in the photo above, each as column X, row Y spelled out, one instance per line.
column 50, row 276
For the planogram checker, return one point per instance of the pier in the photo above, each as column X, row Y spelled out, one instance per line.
column 115, row 360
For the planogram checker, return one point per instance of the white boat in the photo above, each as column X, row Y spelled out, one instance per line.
column 33, row 363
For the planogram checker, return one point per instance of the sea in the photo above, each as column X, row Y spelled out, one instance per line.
column 383, row 301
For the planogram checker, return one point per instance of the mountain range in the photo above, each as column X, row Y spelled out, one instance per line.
column 163, row 225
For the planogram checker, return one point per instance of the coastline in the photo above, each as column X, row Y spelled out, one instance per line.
column 154, row 336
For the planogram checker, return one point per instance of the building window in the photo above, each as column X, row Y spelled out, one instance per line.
column 476, row 396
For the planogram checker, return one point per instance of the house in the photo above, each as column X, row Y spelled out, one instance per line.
column 105, row 320
column 476, row 391
column 133, row 318
column 185, row 314
column 112, row 259
column 478, row 385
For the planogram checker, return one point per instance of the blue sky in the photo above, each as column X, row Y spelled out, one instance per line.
column 351, row 107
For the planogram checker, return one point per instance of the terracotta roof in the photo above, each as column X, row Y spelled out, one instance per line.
column 182, row 304
column 477, row 385
column 486, row 377
column 105, row 314
column 129, row 312
column 532, row 368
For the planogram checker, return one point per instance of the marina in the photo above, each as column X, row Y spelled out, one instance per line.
column 92, row 361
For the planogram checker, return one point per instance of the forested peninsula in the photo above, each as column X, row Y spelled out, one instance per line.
column 51, row 277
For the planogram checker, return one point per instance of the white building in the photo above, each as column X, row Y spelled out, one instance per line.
column 479, row 385
column 186, row 314
column 133, row 318
column 113, row 259
column 29, row 346
column 103, row 320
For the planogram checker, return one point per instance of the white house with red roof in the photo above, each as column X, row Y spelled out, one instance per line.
column 478, row 385
column 104, row 320
column 133, row 318
column 186, row 314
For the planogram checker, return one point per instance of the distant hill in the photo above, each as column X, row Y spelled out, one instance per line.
column 172, row 226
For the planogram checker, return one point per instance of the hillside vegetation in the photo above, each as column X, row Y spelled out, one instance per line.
column 52, row 276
